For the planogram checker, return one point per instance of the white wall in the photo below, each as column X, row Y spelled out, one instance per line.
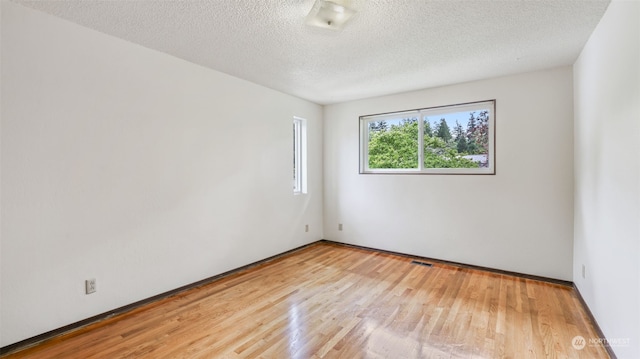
column 518, row 220
column 136, row 168
column 607, row 175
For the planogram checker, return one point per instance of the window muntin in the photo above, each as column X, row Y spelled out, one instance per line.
column 456, row 139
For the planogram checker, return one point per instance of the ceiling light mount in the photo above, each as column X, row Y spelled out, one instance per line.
column 329, row 15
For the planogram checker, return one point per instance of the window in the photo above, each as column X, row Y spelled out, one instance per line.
column 455, row 139
column 299, row 155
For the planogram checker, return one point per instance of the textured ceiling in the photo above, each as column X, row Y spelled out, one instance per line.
column 389, row 46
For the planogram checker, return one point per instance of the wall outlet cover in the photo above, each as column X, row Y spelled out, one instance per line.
column 90, row 286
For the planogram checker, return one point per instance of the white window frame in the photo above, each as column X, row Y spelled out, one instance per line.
column 421, row 113
column 299, row 155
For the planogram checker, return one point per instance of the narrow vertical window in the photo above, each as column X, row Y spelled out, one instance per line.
column 299, row 155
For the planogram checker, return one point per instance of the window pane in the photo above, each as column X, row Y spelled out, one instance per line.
column 457, row 140
column 297, row 156
column 393, row 143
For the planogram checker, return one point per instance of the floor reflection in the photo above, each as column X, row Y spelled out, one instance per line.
column 296, row 331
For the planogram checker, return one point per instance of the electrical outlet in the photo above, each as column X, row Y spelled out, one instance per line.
column 339, row 226
column 584, row 271
column 90, row 286
column 306, row 228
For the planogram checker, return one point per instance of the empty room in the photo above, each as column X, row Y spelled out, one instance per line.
column 320, row 179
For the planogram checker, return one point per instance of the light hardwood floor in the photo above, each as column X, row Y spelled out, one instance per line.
column 332, row 301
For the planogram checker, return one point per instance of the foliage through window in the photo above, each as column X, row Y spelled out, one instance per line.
column 456, row 139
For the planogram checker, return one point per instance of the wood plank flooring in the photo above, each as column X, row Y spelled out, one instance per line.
column 332, row 301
